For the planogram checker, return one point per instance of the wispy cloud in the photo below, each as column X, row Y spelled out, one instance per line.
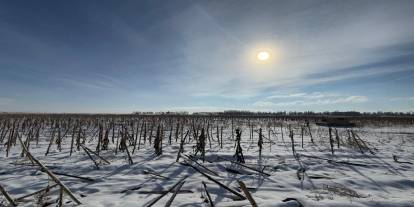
column 6, row 101
column 402, row 99
column 327, row 53
column 97, row 83
column 314, row 95
column 308, row 99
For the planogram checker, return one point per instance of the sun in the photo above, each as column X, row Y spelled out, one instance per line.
column 263, row 56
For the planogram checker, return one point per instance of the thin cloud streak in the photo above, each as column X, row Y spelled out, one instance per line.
column 4, row 101
column 304, row 99
column 402, row 99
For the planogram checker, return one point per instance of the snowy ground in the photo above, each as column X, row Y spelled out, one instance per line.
column 380, row 182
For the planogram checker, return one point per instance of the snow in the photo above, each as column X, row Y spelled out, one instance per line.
column 382, row 182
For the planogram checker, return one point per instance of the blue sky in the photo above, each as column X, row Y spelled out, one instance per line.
column 124, row 56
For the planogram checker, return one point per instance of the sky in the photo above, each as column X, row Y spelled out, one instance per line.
column 124, row 56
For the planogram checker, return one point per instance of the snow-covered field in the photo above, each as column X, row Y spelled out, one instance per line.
column 314, row 177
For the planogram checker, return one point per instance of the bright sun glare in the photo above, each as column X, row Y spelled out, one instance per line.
column 263, row 56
